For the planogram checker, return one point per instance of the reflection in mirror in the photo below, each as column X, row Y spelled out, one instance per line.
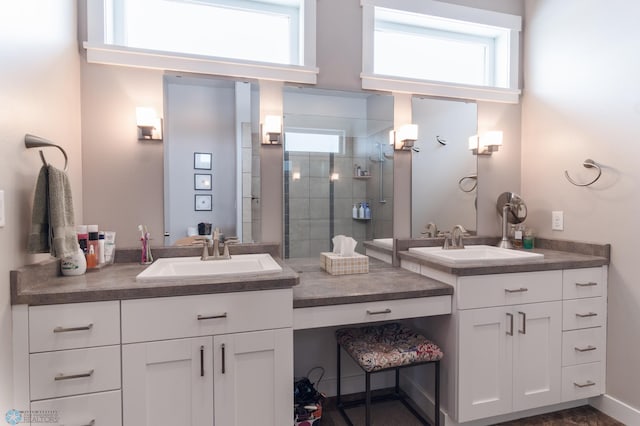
column 338, row 169
column 444, row 172
column 211, row 120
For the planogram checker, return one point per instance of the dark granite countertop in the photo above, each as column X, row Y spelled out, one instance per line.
column 553, row 260
column 42, row 284
column 383, row 282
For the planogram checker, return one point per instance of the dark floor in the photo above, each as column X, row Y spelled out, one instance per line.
column 393, row 413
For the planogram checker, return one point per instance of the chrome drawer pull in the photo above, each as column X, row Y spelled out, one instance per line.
column 510, row 332
column 524, row 323
column 386, row 311
column 590, row 314
column 518, row 290
column 587, row 349
column 62, row 376
column 64, row 330
column 589, row 284
column 584, row 385
column 206, row 317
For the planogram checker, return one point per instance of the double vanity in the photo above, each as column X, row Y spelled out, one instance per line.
column 167, row 349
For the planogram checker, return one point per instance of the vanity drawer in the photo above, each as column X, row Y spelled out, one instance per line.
column 357, row 313
column 582, row 346
column 582, row 381
column 76, row 371
column 204, row 315
column 74, row 325
column 578, row 283
column 102, row 408
column 583, row 313
column 482, row 291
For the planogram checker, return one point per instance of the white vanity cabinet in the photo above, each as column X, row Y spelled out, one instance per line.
column 520, row 341
column 74, row 362
column 202, row 360
column 509, row 355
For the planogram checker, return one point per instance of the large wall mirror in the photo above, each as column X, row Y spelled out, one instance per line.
column 210, row 160
column 338, row 169
column 444, row 171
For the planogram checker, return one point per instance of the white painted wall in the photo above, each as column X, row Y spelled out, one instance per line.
column 39, row 94
column 582, row 100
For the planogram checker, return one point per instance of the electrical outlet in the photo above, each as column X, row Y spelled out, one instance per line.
column 557, row 221
column 2, row 220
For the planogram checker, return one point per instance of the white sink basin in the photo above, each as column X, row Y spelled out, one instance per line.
column 477, row 253
column 175, row 268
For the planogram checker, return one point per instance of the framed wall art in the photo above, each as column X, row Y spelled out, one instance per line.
column 203, row 202
column 202, row 160
column 202, row 181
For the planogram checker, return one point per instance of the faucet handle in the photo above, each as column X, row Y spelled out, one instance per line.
column 447, row 240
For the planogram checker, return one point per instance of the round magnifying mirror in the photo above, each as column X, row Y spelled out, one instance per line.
column 517, row 211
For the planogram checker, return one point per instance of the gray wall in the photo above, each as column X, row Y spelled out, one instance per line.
column 582, row 100
column 39, row 94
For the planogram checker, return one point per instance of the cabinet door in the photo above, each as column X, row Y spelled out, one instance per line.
column 537, row 355
column 485, row 362
column 168, row 383
column 254, row 378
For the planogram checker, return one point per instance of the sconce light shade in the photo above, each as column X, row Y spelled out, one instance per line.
column 486, row 144
column 272, row 130
column 404, row 138
column 149, row 124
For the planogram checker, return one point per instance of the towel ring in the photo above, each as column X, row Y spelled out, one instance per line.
column 32, row 141
column 474, row 178
column 589, row 164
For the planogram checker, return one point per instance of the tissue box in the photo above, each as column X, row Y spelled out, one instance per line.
column 342, row 265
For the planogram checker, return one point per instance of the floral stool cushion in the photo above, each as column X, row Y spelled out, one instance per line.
column 387, row 346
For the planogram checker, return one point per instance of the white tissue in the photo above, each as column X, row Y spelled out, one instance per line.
column 344, row 246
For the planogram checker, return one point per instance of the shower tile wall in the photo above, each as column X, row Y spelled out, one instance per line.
column 316, row 208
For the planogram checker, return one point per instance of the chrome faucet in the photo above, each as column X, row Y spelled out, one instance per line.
column 456, row 237
column 215, row 246
column 430, row 230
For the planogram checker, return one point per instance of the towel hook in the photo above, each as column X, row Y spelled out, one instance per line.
column 589, row 164
column 473, row 178
column 32, row 141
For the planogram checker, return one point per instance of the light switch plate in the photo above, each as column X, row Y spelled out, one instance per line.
column 557, row 220
column 2, row 220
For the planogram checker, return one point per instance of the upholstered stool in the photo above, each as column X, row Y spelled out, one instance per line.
column 385, row 347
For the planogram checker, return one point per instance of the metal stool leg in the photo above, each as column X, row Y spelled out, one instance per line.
column 367, row 408
column 338, row 399
column 397, row 389
column 437, row 395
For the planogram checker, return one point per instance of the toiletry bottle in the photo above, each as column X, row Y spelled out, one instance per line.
column 527, row 240
column 361, row 211
column 367, row 211
column 101, row 258
column 93, row 239
column 354, row 213
column 83, row 238
column 91, row 258
column 74, row 265
column 517, row 236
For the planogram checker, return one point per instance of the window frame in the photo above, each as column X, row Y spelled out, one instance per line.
column 511, row 23
column 99, row 50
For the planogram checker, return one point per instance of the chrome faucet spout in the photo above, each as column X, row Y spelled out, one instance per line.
column 430, row 230
column 457, row 233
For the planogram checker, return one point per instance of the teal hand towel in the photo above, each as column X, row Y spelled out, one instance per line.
column 53, row 227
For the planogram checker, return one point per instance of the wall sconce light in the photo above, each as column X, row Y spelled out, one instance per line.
column 272, row 130
column 404, row 138
column 486, row 144
column 335, row 176
column 149, row 124
column 295, row 176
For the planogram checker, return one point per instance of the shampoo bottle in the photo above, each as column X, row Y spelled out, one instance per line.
column 354, row 213
column 367, row 211
column 361, row 211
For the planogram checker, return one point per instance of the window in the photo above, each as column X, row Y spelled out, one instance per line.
column 271, row 39
column 313, row 141
column 440, row 49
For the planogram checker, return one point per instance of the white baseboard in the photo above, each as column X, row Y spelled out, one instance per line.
column 617, row 409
